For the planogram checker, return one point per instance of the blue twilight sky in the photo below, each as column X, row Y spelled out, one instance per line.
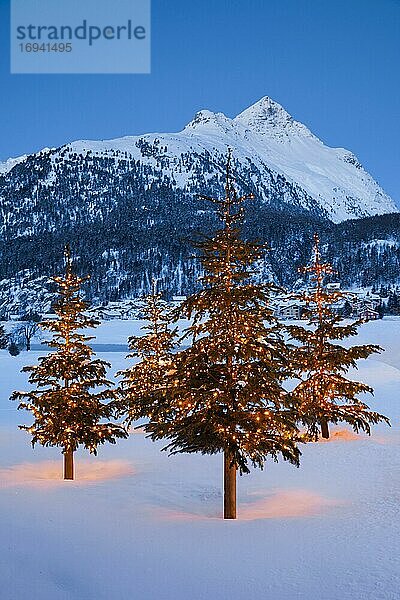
column 333, row 64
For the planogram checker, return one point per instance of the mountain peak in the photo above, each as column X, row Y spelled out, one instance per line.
column 265, row 108
column 210, row 122
column 267, row 117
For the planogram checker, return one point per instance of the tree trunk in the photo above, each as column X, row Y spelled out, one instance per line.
column 229, row 488
column 28, row 344
column 68, row 464
column 324, row 429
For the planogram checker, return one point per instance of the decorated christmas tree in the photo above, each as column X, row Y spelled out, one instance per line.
column 224, row 392
column 325, row 395
column 70, row 396
column 142, row 391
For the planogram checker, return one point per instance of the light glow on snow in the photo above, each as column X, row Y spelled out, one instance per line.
column 49, row 473
column 280, row 504
column 284, row 504
column 343, row 435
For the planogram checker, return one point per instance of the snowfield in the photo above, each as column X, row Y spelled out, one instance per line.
column 137, row 524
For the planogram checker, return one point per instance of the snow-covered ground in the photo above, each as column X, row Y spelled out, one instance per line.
column 137, row 524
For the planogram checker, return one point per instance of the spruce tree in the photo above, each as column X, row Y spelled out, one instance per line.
column 4, row 339
column 68, row 407
column 142, row 389
column 324, row 394
column 13, row 349
column 224, row 392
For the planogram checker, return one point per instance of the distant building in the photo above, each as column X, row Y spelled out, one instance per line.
column 289, row 311
column 368, row 314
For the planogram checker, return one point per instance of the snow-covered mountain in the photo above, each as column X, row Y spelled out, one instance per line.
column 129, row 206
column 268, row 144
